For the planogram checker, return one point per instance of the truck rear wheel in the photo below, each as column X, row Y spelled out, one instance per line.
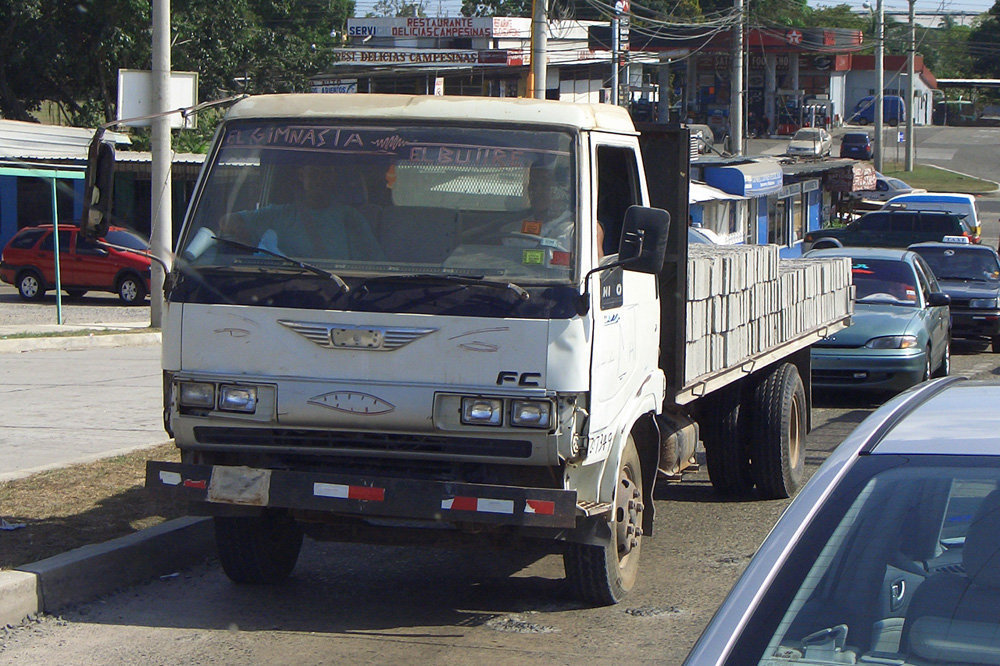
column 603, row 575
column 258, row 549
column 778, row 433
column 726, row 450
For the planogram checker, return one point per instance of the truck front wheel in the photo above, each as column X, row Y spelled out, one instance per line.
column 603, row 575
column 258, row 549
column 779, row 433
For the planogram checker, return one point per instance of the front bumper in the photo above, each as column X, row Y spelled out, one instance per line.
column 975, row 323
column 867, row 369
column 364, row 496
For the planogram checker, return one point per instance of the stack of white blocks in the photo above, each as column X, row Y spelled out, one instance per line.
column 743, row 300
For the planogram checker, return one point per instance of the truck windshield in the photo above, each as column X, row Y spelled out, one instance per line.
column 363, row 200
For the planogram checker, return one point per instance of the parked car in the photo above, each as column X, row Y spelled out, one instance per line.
column 700, row 236
column 900, row 332
column 890, row 229
column 810, row 142
column 970, row 275
column 893, row 111
column 886, row 188
column 857, row 145
column 956, row 203
column 28, row 263
column 888, row 555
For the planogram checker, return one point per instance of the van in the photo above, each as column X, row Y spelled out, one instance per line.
column 962, row 205
column 893, row 110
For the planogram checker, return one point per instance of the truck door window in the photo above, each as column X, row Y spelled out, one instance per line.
column 617, row 189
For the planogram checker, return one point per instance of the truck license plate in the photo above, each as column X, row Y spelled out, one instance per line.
column 239, row 485
column 356, row 338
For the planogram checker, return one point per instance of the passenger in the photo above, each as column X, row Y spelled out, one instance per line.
column 313, row 225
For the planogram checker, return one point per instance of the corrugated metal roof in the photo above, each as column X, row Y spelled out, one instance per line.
column 33, row 141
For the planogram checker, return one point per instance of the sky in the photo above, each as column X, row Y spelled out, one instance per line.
column 453, row 7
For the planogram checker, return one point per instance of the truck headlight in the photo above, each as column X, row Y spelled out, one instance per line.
column 893, row 342
column 482, row 411
column 983, row 303
column 197, row 394
column 238, row 398
column 531, row 413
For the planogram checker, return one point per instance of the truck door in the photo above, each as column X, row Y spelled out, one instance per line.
column 623, row 304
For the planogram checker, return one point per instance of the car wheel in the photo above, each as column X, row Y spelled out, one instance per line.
column 944, row 369
column 927, row 366
column 727, row 452
column 862, row 121
column 778, row 439
column 29, row 286
column 131, row 290
column 604, row 574
column 258, row 549
column 995, row 344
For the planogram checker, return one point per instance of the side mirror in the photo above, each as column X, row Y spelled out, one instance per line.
column 98, row 189
column 643, row 244
column 938, row 298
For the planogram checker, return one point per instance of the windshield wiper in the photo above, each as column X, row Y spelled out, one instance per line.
column 333, row 277
column 456, row 279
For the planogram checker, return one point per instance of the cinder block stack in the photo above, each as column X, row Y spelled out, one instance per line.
column 743, row 300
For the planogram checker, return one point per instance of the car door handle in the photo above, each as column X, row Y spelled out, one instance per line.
column 897, row 592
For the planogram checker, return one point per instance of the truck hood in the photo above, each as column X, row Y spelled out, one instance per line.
column 361, row 347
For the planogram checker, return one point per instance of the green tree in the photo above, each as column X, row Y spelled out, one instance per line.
column 399, row 8
column 984, row 44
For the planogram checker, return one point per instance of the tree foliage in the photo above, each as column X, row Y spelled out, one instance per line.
column 70, row 51
column 985, row 58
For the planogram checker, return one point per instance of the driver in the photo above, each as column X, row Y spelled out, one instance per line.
column 545, row 224
column 313, row 225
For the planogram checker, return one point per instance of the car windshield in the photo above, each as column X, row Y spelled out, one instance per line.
column 807, row 135
column 126, row 239
column 854, row 138
column 884, row 281
column 961, row 264
column 388, row 200
column 898, row 567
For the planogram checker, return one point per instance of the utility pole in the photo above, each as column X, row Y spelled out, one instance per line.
column 736, row 85
column 910, row 85
column 879, row 84
column 539, row 46
column 161, row 232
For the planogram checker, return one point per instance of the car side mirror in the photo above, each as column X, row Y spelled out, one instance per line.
column 938, row 298
column 643, row 244
column 98, row 194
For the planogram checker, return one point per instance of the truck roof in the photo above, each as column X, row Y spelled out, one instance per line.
column 605, row 117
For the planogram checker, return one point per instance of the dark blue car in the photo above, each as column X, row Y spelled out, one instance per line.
column 857, row 145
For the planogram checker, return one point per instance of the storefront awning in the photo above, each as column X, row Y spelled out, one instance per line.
column 752, row 179
column 700, row 193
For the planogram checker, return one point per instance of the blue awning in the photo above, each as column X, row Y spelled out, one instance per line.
column 753, row 179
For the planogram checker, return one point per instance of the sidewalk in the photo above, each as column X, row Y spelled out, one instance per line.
column 63, row 406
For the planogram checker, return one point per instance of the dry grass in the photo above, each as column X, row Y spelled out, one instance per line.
column 83, row 504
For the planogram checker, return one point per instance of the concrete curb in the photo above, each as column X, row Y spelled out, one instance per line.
column 91, row 571
column 80, row 342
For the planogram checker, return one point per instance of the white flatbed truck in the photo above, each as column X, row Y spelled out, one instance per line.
column 488, row 372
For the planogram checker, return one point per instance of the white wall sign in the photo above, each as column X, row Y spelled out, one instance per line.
column 135, row 96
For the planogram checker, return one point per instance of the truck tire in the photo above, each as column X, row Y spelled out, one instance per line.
column 604, row 575
column 258, row 549
column 726, row 450
column 778, row 433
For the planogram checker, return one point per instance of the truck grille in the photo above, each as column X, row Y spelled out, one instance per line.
column 318, row 440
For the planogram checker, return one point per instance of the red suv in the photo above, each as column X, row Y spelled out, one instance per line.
column 27, row 262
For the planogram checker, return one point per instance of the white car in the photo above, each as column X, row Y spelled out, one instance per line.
column 810, row 142
column 885, row 189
